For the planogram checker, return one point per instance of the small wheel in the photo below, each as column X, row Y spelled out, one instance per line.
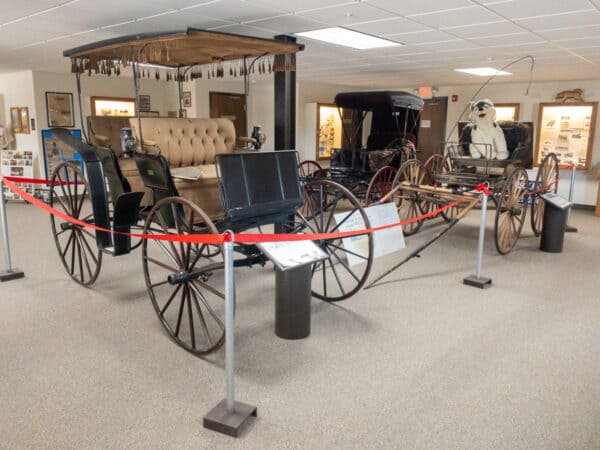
column 344, row 271
column 411, row 204
column 545, row 181
column 309, row 168
column 178, row 274
column 380, row 185
column 511, row 210
column 76, row 244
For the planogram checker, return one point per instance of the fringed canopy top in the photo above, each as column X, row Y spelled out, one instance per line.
column 192, row 47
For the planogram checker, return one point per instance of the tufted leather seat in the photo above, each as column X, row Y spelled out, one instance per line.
column 188, row 143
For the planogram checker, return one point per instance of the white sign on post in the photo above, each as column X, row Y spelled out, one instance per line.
column 290, row 254
column 384, row 241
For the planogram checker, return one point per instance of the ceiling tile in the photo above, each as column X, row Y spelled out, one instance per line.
column 482, row 30
column 408, row 7
column 457, row 17
column 422, row 37
column 531, row 8
column 563, row 34
column 561, row 20
column 299, row 5
column 235, row 11
column 508, row 39
column 390, row 26
column 289, row 24
column 246, row 30
column 348, row 14
column 582, row 43
column 168, row 22
column 457, row 44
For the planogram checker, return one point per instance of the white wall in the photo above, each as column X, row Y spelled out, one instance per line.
column 16, row 89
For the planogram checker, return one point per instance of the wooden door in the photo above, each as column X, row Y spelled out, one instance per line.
column 231, row 106
column 432, row 129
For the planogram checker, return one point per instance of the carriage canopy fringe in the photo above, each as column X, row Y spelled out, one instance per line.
column 206, row 54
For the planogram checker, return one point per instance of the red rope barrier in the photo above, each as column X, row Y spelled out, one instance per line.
column 216, row 239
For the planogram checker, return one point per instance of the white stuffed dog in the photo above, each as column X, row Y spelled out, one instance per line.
column 486, row 132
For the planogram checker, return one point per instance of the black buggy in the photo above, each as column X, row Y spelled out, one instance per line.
column 390, row 122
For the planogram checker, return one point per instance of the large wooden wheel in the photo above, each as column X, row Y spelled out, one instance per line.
column 545, row 181
column 76, row 244
column 178, row 276
column 309, row 168
column 380, row 185
column 411, row 204
column 329, row 207
column 511, row 210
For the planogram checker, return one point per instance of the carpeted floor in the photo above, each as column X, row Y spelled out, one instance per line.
column 419, row 361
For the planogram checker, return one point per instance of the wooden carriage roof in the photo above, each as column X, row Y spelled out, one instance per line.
column 181, row 48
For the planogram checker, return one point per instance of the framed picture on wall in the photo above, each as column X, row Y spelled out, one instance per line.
column 187, row 99
column 145, row 103
column 566, row 129
column 507, row 111
column 15, row 118
column 24, row 119
column 59, row 109
column 56, row 151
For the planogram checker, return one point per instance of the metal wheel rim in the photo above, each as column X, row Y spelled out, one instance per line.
column 333, row 279
column 547, row 174
column 510, row 211
column 202, row 330
column 85, row 259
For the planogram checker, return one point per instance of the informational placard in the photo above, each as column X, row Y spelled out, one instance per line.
column 384, row 242
column 290, row 254
column 17, row 163
column 557, row 200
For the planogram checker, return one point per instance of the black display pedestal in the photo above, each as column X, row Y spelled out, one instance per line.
column 292, row 302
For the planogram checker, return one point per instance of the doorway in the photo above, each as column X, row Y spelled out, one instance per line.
column 230, row 106
column 432, row 129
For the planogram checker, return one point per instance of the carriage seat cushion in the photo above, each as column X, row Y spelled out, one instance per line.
column 105, row 131
column 189, row 146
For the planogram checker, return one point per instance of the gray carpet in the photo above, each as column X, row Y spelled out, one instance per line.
column 419, row 361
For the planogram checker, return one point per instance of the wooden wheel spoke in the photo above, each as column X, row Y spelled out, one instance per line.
column 169, row 301
column 191, row 318
column 166, row 251
column 347, row 267
column 85, row 258
column 207, row 306
column 337, row 279
column 161, row 264
column 347, row 251
column 202, row 319
column 88, row 247
column 180, row 315
column 208, row 287
column 165, row 230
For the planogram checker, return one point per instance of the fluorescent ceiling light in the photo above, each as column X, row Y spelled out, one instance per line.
column 483, row 71
column 348, row 38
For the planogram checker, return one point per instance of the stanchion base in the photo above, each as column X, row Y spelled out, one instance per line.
column 230, row 423
column 570, row 229
column 11, row 275
column 481, row 282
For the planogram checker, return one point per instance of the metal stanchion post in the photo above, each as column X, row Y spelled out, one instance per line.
column 229, row 416
column 570, row 228
column 10, row 273
column 477, row 280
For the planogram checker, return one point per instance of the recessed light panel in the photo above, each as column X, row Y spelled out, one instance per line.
column 483, row 71
column 348, row 38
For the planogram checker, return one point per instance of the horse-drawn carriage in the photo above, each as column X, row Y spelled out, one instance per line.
column 389, row 122
column 256, row 189
column 511, row 190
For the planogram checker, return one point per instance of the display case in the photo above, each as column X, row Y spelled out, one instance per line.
column 567, row 129
column 507, row 111
column 329, row 129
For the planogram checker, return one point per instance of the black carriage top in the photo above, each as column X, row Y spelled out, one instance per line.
column 375, row 100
